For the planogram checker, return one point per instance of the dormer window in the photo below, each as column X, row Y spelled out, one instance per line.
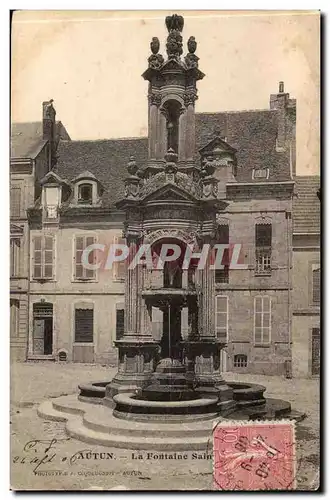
column 87, row 190
column 85, row 194
column 54, row 192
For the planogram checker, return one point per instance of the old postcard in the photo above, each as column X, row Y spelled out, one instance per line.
column 165, row 250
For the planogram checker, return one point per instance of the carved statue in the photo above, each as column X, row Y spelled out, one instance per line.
column 192, row 45
column 154, row 45
column 174, row 22
column 132, row 167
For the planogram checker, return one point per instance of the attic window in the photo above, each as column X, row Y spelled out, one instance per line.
column 260, row 173
column 85, row 193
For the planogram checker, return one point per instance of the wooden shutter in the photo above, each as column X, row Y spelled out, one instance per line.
column 120, row 267
column 37, row 257
column 120, row 315
column 316, row 285
column 48, row 257
column 15, row 201
column 80, row 271
column 84, row 319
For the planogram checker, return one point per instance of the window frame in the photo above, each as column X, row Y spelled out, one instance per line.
column 84, row 277
column 43, row 250
column 15, row 256
column 314, row 268
column 82, row 201
column 261, row 342
column 17, row 187
column 263, row 251
column 118, row 240
column 221, row 312
column 80, row 307
column 235, row 362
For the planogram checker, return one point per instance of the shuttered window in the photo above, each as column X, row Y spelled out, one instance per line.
column 15, row 201
column 14, row 317
column 43, row 257
column 120, row 314
column 221, row 317
column 316, row 285
column 14, row 256
column 262, row 320
column 84, row 325
column 80, row 271
column 222, row 275
column 119, row 268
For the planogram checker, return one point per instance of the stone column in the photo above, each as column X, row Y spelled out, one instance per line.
column 153, row 130
column 190, row 132
column 131, row 295
column 182, row 136
column 161, row 136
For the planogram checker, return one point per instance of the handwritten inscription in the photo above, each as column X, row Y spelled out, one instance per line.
column 254, row 456
column 38, row 453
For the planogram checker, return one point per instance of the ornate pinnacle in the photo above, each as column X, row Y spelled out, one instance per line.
column 132, row 166
column 174, row 22
column 192, row 45
column 154, row 45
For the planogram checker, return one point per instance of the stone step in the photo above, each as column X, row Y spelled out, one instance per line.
column 76, row 430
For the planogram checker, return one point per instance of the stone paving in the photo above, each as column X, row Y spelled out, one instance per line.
column 72, row 465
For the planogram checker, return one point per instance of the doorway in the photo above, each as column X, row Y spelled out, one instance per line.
column 43, row 328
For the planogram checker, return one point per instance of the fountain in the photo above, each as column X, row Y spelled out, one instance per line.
column 169, row 389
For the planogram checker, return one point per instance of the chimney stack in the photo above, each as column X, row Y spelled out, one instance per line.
column 48, row 128
column 286, row 109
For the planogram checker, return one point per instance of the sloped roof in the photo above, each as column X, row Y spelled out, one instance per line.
column 306, row 205
column 251, row 133
column 106, row 159
column 27, row 138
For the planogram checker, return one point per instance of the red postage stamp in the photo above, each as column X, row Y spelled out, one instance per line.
column 254, row 455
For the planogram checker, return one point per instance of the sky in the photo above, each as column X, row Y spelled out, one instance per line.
column 90, row 63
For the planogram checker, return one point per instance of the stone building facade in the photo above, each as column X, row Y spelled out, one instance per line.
column 306, row 294
column 76, row 314
column 33, row 154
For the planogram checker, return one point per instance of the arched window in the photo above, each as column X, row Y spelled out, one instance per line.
column 240, row 361
column 85, row 193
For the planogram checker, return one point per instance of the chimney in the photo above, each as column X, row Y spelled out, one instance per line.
column 48, row 128
column 286, row 123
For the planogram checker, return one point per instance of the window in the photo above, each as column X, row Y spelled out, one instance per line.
column 260, row 173
column 262, row 320
column 51, row 202
column 222, row 275
column 120, row 315
column 263, row 238
column 14, row 317
column 14, row 256
column 84, row 319
column 221, row 317
column 316, row 284
column 240, row 361
column 85, row 193
column 43, row 257
column 119, row 268
column 15, row 201
column 80, row 271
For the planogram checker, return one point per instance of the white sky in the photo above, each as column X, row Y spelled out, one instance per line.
column 91, row 63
